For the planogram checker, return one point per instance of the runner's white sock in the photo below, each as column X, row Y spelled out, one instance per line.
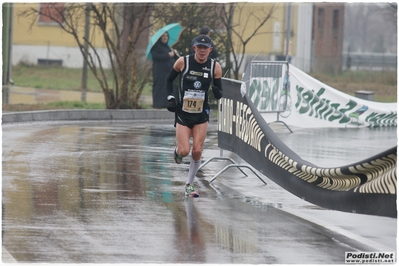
column 194, row 165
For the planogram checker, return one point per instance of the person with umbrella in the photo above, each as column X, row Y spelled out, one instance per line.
column 163, row 59
column 197, row 73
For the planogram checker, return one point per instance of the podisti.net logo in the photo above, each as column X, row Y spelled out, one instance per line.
column 370, row 257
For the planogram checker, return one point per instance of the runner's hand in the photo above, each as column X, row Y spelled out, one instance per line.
column 171, row 104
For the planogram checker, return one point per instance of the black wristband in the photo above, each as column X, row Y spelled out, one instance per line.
column 218, row 83
column 217, row 88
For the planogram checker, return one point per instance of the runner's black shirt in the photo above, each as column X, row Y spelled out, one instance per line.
column 195, row 78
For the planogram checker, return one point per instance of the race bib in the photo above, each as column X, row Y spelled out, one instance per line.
column 193, row 101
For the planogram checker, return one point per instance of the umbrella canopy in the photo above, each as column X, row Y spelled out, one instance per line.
column 173, row 30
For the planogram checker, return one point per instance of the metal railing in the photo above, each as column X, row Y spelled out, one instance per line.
column 269, row 87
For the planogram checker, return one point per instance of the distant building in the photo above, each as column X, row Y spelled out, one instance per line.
column 327, row 36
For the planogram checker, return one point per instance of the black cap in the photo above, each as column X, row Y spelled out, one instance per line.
column 203, row 40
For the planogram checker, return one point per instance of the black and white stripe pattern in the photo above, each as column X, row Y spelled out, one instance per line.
column 367, row 187
column 376, row 175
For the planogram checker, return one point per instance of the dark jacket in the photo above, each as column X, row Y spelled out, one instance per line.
column 162, row 64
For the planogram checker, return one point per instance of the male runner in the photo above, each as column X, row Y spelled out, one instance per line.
column 192, row 109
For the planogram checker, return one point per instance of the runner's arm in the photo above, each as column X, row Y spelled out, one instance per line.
column 217, row 82
column 174, row 72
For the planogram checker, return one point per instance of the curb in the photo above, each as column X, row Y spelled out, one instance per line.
column 79, row 115
column 7, row 257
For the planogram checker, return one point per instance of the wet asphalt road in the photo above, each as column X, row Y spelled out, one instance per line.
column 110, row 192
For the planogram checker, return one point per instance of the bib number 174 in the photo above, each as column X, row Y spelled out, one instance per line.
column 193, row 102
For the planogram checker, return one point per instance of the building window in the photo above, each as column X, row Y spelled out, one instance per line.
column 335, row 19
column 51, row 13
column 320, row 19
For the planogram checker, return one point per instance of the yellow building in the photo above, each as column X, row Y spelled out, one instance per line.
column 270, row 37
column 45, row 42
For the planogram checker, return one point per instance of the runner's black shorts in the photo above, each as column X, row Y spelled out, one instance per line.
column 190, row 120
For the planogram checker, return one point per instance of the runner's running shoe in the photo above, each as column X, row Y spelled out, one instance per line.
column 190, row 191
column 177, row 157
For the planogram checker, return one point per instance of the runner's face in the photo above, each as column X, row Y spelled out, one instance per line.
column 202, row 52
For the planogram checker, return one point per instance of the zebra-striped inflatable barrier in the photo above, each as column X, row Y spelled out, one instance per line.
column 367, row 187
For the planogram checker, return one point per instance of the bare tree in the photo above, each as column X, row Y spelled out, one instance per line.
column 230, row 39
column 121, row 26
column 387, row 26
column 251, row 19
column 371, row 27
column 192, row 17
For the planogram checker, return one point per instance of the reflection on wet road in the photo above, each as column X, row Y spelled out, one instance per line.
column 110, row 192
